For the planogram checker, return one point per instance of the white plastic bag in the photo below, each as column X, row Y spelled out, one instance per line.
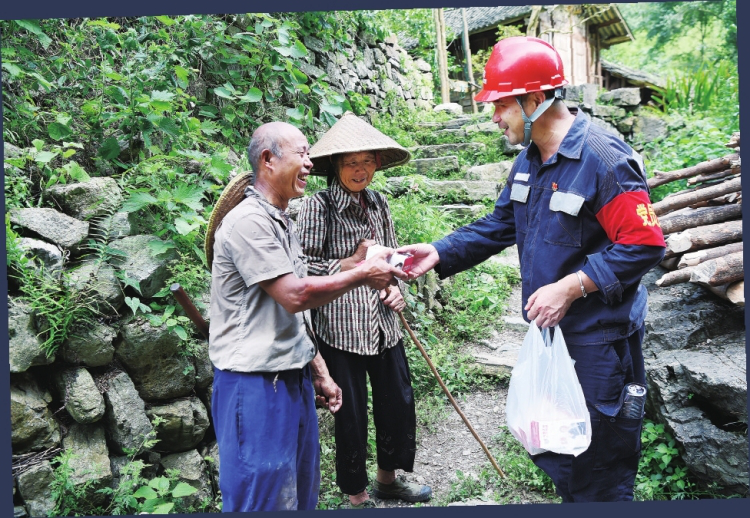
column 545, row 409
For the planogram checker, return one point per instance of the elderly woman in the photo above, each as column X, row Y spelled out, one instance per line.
column 358, row 334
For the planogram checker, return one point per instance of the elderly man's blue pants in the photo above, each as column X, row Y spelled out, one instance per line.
column 267, row 432
column 606, row 471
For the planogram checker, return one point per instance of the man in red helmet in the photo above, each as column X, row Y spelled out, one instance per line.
column 576, row 204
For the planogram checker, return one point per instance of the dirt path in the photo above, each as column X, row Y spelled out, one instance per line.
column 450, row 447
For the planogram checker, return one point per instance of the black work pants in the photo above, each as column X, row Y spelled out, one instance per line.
column 606, row 471
column 393, row 413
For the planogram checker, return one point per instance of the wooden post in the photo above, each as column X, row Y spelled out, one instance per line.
column 469, row 72
column 442, row 56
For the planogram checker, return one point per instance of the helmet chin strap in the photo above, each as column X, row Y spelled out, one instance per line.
column 527, row 120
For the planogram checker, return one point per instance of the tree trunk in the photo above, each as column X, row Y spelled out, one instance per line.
column 734, row 292
column 684, row 200
column 714, row 176
column 469, row 71
column 531, row 28
column 700, row 256
column 709, row 166
column 727, row 199
column 703, row 237
column 670, row 264
column 442, row 56
column 675, row 277
column 722, row 270
column 699, row 217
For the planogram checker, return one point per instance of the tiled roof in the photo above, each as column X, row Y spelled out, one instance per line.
column 483, row 18
column 636, row 77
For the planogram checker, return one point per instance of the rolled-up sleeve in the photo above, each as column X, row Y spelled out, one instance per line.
column 477, row 241
column 620, row 266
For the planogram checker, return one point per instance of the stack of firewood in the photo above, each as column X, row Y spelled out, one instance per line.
column 702, row 226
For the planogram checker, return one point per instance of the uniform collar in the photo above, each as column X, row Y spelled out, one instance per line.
column 572, row 144
column 342, row 199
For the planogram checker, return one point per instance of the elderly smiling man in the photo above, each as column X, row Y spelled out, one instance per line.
column 267, row 367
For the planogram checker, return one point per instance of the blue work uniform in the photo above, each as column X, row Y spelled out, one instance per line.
column 586, row 208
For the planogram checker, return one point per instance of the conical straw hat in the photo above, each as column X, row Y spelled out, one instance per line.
column 352, row 135
column 230, row 197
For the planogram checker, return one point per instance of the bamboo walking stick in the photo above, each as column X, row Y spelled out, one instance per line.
column 447, row 393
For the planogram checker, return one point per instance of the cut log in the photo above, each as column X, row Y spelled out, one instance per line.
column 693, row 258
column 715, row 176
column 734, row 292
column 687, row 199
column 734, row 140
column 727, row 199
column 700, row 238
column 722, row 270
column 699, row 218
column 675, row 277
column 670, row 264
column 707, row 167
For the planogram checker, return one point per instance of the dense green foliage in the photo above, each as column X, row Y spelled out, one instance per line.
column 163, row 105
column 662, row 475
column 672, row 36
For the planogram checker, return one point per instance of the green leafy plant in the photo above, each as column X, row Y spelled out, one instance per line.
column 662, row 474
column 72, row 498
column 691, row 139
column 57, row 305
column 698, row 90
column 158, row 495
column 518, row 466
column 465, row 487
column 329, row 496
column 133, row 494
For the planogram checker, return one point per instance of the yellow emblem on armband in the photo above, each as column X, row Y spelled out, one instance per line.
column 647, row 214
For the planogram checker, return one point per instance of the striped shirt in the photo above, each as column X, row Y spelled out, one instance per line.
column 331, row 224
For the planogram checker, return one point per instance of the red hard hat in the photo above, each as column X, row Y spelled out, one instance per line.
column 520, row 65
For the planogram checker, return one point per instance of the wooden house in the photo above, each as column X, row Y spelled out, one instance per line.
column 578, row 32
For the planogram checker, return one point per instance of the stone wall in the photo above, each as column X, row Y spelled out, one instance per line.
column 620, row 111
column 374, row 69
column 99, row 394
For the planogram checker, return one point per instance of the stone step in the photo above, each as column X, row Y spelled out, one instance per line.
column 436, row 166
column 481, row 127
column 452, row 131
column 461, row 209
column 446, row 149
column 449, row 124
column 494, row 172
column 488, row 128
column 457, row 191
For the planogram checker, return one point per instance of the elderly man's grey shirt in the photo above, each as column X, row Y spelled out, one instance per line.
column 250, row 331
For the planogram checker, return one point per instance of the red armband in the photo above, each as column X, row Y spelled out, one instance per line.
column 629, row 219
